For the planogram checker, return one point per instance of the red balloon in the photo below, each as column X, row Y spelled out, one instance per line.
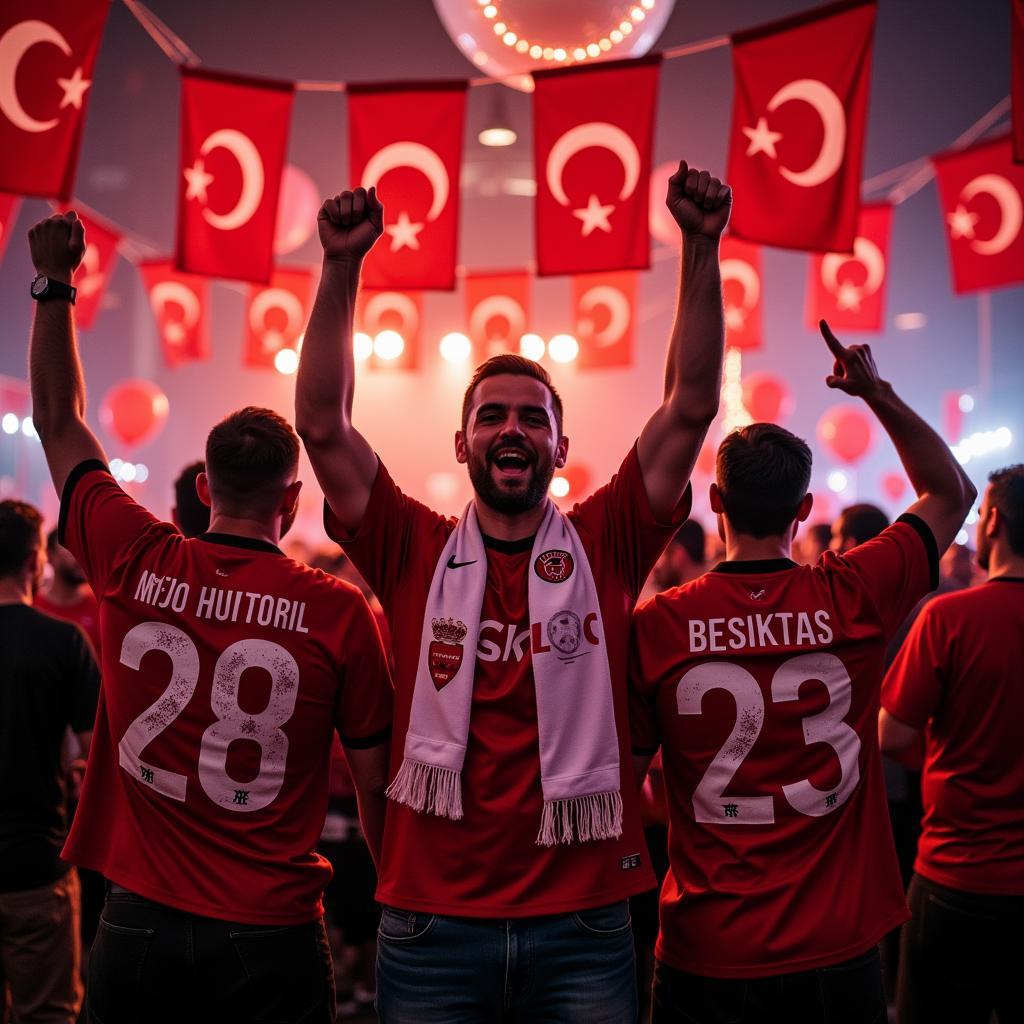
column 134, row 411
column 578, row 477
column 766, row 398
column 894, row 484
column 846, row 432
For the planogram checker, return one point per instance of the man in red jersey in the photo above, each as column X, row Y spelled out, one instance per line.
column 761, row 681
column 958, row 685
column 227, row 668
column 513, row 837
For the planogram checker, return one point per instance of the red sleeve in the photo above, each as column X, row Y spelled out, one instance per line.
column 99, row 523
column 913, row 686
column 898, row 567
column 393, row 524
column 364, row 707
column 643, row 720
column 618, row 517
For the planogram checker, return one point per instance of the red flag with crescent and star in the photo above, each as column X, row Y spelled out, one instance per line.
column 47, row 53
column 276, row 315
column 179, row 303
column 497, row 311
column 593, row 128
column 9, row 207
column 981, row 192
column 848, row 289
column 742, row 292
column 234, row 137
column 93, row 273
column 798, row 118
column 380, row 311
column 1017, row 77
column 604, row 317
column 405, row 138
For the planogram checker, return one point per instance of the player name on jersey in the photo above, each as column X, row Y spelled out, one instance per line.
column 776, row 629
column 223, row 605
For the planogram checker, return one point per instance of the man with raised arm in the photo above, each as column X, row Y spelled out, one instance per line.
column 226, row 669
column 761, row 681
column 513, row 838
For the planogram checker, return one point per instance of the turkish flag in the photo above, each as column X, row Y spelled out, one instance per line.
column 1017, row 77
column 9, row 207
column 401, row 312
column 797, row 138
column 234, row 135
column 981, row 191
column 276, row 315
column 592, row 134
column 497, row 312
column 604, row 310
column 406, row 138
column 848, row 289
column 47, row 52
column 179, row 303
column 93, row 273
column 742, row 289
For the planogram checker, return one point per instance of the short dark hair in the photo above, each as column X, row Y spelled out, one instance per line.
column 862, row 522
column 1007, row 495
column 21, row 528
column 509, row 362
column 690, row 537
column 53, row 540
column 193, row 516
column 763, row 472
column 251, row 456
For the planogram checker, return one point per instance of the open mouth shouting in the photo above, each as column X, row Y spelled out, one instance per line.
column 512, row 463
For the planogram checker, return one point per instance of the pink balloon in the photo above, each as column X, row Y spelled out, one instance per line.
column 895, row 485
column 296, row 210
column 846, row 432
column 662, row 223
column 766, row 398
column 134, row 411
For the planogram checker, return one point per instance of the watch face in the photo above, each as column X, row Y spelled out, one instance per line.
column 39, row 285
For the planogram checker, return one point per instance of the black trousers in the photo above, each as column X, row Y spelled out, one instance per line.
column 151, row 963
column 846, row 993
column 961, row 956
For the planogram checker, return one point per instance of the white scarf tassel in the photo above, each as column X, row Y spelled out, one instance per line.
column 595, row 816
column 429, row 788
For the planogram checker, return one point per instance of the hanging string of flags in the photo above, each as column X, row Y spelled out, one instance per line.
column 795, row 160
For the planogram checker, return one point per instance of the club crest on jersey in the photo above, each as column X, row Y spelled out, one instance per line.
column 554, row 566
column 446, row 650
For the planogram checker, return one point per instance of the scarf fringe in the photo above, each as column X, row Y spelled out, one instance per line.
column 429, row 788
column 581, row 818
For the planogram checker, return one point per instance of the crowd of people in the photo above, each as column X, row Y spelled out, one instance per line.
column 524, row 764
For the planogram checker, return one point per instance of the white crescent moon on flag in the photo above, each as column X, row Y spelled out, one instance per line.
column 390, row 302
column 833, row 119
column 276, row 298
column 89, row 268
column 419, row 157
column 13, row 44
column 618, row 307
column 867, row 254
column 494, row 306
column 1011, row 211
column 167, row 292
column 583, row 136
column 746, row 276
column 241, row 147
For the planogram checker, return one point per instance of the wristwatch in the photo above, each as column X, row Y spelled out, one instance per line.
column 44, row 288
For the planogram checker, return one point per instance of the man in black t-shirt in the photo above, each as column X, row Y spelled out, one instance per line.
column 48, row 681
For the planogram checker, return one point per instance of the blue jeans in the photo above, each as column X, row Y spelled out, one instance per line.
column 560, row 969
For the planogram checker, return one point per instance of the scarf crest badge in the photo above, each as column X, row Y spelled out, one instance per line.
column 446, row 650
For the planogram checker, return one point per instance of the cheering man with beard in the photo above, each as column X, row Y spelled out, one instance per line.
column 513, row 838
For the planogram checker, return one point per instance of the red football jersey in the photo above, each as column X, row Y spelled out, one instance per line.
column 489, row 864
column 85, row 612
column 226, row 668
column 960, row 677
column 762, row 681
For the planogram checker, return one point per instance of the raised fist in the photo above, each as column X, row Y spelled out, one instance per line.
column 699, row 203
column 350, row 223
column 854, row 370
column 57, row 245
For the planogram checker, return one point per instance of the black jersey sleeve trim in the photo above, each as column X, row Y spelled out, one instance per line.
column 924, row 531
column 365, row 742
column 88, row 466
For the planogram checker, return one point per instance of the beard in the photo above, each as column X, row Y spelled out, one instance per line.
column 523, row 495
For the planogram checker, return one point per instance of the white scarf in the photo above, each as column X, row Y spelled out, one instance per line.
column 579, row 746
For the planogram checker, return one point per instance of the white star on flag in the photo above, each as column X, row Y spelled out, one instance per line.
column 403, row 233
column 961, row 222
column 735, row 318
column 762, row 139
column 174, row 333
column 197, row 179
column 594, row 216
column 73, row 87
column 848, row 296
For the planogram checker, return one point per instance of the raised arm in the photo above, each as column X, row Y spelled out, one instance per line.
column 944, row 491
column 345, row 465
column 58, row 387
column 672, row 437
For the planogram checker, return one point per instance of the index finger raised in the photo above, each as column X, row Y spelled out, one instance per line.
column 835, row 346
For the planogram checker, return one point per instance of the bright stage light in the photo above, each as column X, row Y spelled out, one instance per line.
column 10, row 423
column 563, row 348
column 141, row 472
column 559, row 486
column 961, row 537
column 286, row 361
column 966, row 403
column 909, row 321
column 388, row 345
column 982, row 443
column 532, row 347
column 837, row 481
column 128, row 472
column 362, row 346
column 28, row 428
column 455, row 347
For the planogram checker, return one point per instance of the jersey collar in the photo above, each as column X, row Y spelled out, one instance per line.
column 756, row 566
column 234, row 541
